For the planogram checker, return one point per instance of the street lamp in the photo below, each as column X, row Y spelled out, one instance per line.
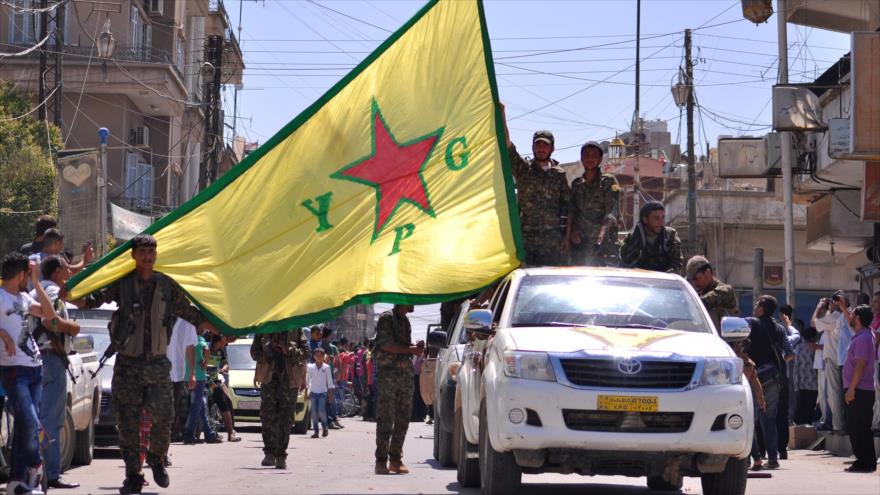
column 680, row 91
column 757, row 11
column 106, row 42
column 616, row 149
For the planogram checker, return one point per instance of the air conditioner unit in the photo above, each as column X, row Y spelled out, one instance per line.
column 141, row 136
column 155, row 7
column 796, row 108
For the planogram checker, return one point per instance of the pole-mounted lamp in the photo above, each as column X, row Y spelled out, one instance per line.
column 757, row 11
column 680, row 90
column 106, row 42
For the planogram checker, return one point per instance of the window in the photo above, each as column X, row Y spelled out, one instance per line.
column 138, row 180
column 147, row 43
column 618, row 302
column 22, row 25
column 135, row 29
column 181, row 55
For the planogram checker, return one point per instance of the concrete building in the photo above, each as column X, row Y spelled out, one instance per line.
column 149, row 94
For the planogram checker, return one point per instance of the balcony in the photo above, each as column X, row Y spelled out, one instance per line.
column 844, row 16
column 218, row 23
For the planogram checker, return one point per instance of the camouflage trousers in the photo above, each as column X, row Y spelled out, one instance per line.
column 140, row 386
column 543, row 249
column 396, row 387
column 181, row 409
column 277, row 402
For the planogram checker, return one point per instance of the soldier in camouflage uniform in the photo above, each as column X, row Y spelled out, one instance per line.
column 542, row 193
column 393, row 353
column 720, row 299
column 281, row 363
column 148, row 301
column 651, row 245
column 592, row 224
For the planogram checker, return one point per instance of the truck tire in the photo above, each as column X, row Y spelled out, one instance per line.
column 436, row 443
column 68, row 440
column 731, row 481
column 443, row 444
column 85, row 445
column 499, row 472
column 468, row 469
column 657, row 483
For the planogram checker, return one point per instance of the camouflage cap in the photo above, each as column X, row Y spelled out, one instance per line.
column 592, row 144
column 543, row 135
column 695, row 265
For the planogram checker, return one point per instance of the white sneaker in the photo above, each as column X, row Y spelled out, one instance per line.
column 21, row 488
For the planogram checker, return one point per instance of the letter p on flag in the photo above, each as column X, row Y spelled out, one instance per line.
column 394, row 186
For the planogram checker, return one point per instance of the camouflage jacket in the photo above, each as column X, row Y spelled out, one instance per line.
column 592, row 205
column 663, row 255
column 720, row 300
column 280, row 354
column 392, row 329
column 542, row 196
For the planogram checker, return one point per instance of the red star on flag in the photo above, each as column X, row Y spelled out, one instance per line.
column 394, row 170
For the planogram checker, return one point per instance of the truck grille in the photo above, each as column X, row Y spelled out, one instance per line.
column 606, row 373
column 619, row 421
column 105, row 400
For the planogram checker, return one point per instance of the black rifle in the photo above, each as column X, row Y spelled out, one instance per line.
column 108, row 353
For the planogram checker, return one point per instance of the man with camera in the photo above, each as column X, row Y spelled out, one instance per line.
column 827, row 319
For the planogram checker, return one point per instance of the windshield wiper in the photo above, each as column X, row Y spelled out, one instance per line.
column 638, row 325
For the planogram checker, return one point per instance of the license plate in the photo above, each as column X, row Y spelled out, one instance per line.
column 249, row 404
column 628, row 403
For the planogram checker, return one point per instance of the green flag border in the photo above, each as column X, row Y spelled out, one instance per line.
column 230, row 176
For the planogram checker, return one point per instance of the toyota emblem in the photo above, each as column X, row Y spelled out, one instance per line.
column 629, row 366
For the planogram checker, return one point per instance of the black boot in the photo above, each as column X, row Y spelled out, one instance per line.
column 160, row 475
column 132, row 485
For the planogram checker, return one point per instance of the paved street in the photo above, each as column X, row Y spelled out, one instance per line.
column 342, row 464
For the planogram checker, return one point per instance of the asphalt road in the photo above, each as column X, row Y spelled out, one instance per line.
column 343, row 464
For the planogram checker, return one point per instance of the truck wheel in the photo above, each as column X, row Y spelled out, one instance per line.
column 443, row 444
column 731, row 481
column 468, row 468
column 68, row 440
column 436, row 443
column 657, row 483
column 85, row 445
column 499, row 472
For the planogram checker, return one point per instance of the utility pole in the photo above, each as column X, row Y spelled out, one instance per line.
column 213, row 129
column 637, row 121
column 785, row 144
column 53, row 19
column 101, row 248
column 693, row 233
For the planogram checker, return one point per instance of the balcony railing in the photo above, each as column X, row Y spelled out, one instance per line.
column 122, row 53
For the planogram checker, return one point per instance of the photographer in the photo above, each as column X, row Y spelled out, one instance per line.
column 827, row 319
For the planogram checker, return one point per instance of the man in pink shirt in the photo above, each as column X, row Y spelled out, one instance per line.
column 875, row 326
column 858, row 381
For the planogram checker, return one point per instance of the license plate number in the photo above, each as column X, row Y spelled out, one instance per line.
column 249, row 404
column 628, row 403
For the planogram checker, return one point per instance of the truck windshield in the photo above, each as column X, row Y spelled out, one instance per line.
column 622, row 302
column 239, row 357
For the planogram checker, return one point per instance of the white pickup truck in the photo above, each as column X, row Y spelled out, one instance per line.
column 602, row 372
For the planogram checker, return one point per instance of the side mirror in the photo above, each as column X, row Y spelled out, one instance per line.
column 479, row 322
column 83, row 344
column 734, row 329
column 437, row 339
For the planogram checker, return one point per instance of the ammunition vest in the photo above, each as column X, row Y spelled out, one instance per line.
column 130, row 333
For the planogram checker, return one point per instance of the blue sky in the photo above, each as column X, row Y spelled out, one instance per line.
column 295, row 50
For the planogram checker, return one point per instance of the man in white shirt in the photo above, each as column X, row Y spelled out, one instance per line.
column 826, row 319
column 21, row 368
column 183, row 339
column 319, row 382
column 819, row 366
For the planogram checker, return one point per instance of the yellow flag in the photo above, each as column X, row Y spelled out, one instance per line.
column 394, row 186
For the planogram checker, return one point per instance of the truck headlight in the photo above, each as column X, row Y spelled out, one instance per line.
column 721, row 371
column 529, row 365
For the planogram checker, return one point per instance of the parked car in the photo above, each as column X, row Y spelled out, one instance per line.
column 602, row 372
column 93, row 322
column 450, row 343
column 246, row 396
